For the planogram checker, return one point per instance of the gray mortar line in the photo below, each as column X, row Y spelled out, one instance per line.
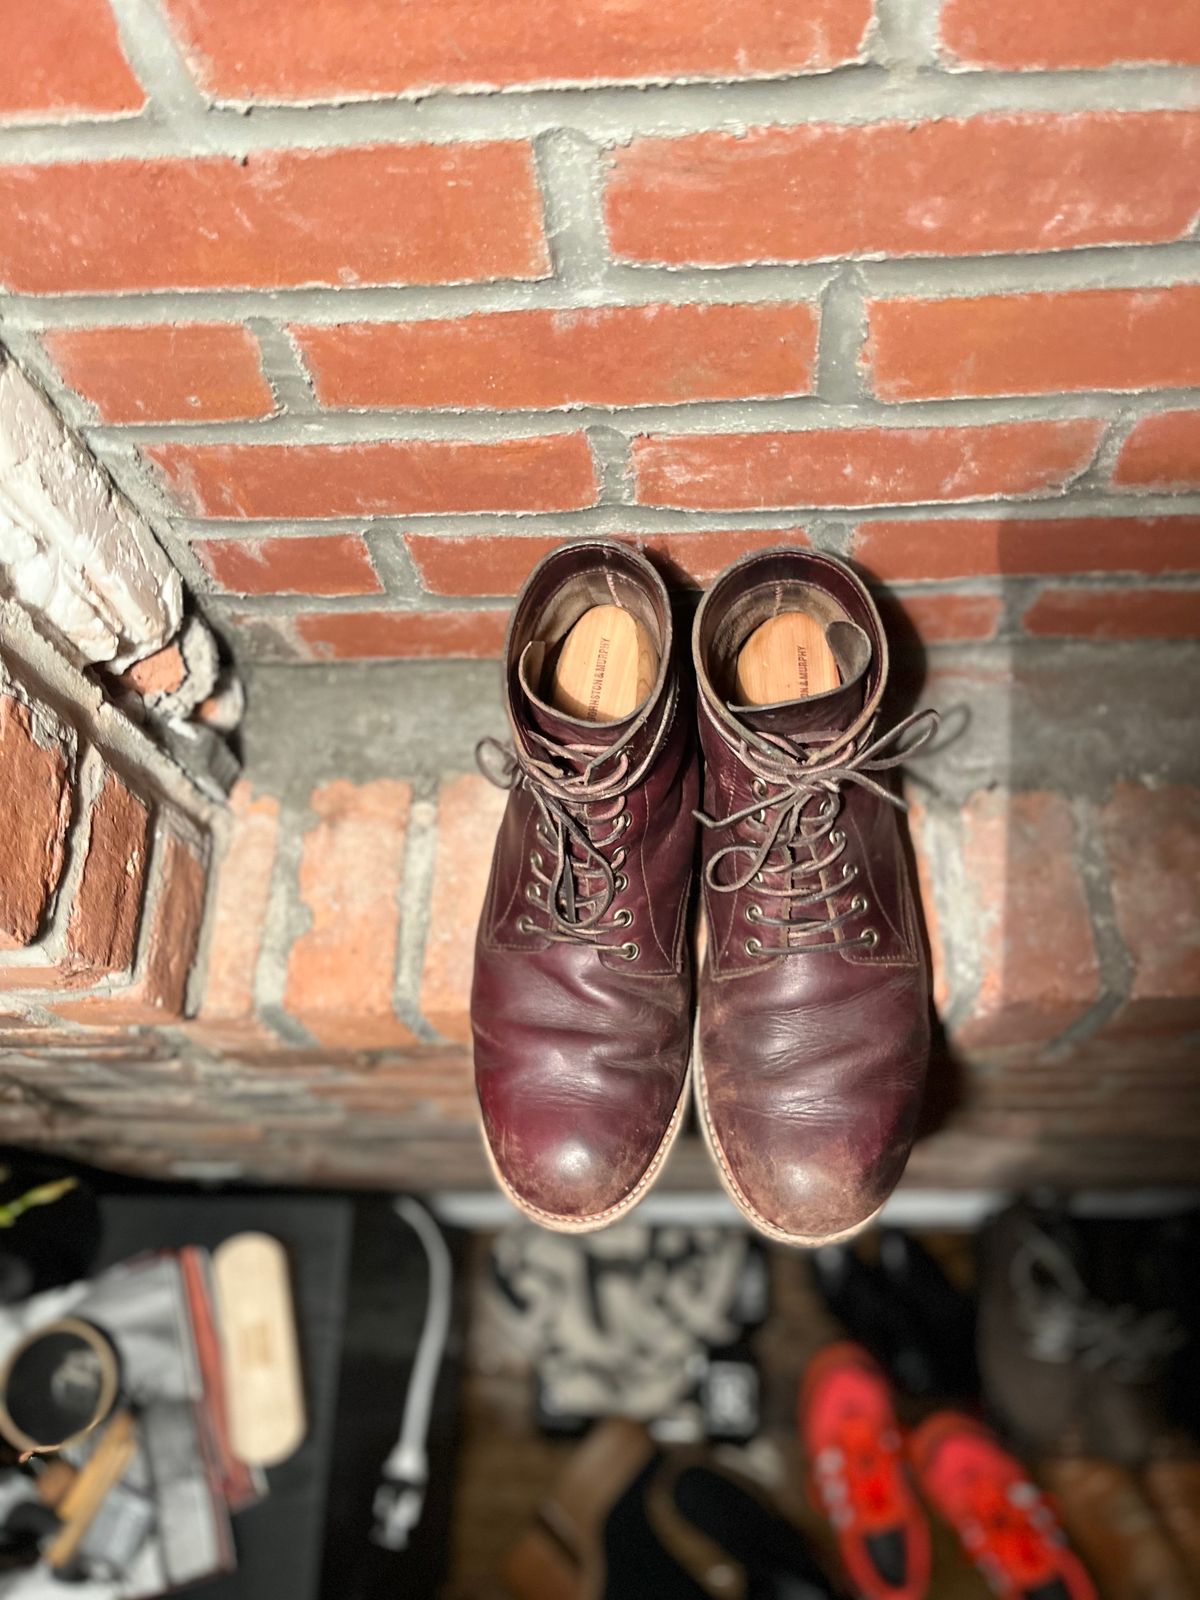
column 283, row 367
column 1117, row 265
column 287, row 918
column 391, row 560
column 838, row 379
column 415, row 907
column 905, row 37
column 653, row 521
column 1113, row 958
column 568, row 169
column 805, row 413
column 614, row 114
column 612, row 455
column 176, row 102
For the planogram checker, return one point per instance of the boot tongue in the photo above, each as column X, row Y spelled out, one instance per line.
column 819, row 717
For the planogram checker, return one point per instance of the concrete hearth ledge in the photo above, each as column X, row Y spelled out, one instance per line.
column 1056, row 831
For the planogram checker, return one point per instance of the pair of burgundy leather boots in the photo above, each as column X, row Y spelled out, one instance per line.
column 812, row 1016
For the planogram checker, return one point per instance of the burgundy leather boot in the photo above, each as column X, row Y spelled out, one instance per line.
column 813, row 1028
column 582, row 994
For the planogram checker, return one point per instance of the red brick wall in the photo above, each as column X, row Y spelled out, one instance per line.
column 368, row 308
column 104, row 859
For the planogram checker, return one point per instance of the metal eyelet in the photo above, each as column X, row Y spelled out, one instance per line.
column 758, row 878
column 849, row 870
column 754, row 947
column 626, row 821
column 837, row 837
column 870, row 938
column 630, row 950
column 623, row 918
column 532, row 892
column 536, row 860
column 525, row 925
column 754, row 913
column 622, row 882
column 759, row 789
column 859, row 903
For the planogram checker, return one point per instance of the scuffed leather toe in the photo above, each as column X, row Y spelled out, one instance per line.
column 572, row 1166
column 808, row 1182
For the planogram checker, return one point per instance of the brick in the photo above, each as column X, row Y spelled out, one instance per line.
column 991, row 184
column 1143, row 613
column 1032, row 928
column 1152, row 843
column 940, row 618
column 102, row 930
column 240, row 901
column 860, row 466
column 327, row 564
column 498, row 564
column 394, row 477
column 37, row 812
column 161, row 672
column 989, row 546
column 378, row 214
column 1162, row 452
column 63, row 59
column 604, row 356
column 194, row 373
column 1000, row 344
column 341, row 973
column 1017, row 34
column 158, row 995
column 468, row 817
column 332, row 51
column 401, row 635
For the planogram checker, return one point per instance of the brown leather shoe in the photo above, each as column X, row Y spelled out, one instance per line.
column 582, row 992
column 813, row 1032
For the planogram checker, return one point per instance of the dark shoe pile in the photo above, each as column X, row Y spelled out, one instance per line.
column 812, row 1028
column 1087, row 1339
column 628, row 1522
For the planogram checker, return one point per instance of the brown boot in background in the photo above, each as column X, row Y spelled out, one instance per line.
column 1172, row 1486
column 1116, row 1531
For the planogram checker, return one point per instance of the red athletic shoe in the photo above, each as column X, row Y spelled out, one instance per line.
column 860, row 1478
column 1004, row 1522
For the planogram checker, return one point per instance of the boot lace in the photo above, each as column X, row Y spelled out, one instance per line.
column 582, row 813
column 790, row 833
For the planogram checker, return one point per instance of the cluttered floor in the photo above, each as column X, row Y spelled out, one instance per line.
column 1036, row 1438
column 295, row 1395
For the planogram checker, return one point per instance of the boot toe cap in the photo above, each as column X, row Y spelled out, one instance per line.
column 807, row 1185
column 574, row 1168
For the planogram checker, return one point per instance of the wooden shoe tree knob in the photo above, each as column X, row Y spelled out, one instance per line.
column 785, row 658
column 606, row 667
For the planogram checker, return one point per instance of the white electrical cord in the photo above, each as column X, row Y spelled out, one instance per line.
column 400, row 1500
